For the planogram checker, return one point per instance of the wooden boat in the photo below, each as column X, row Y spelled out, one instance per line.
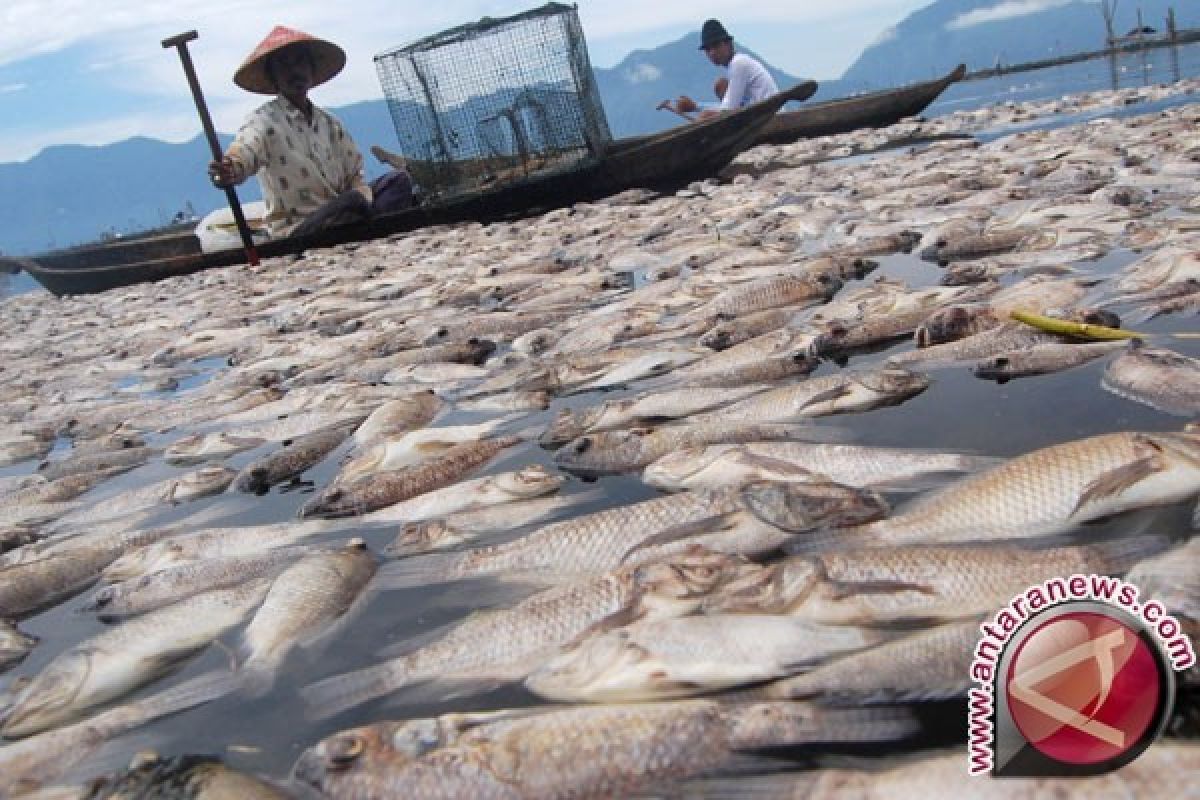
column 669, row 159
column 874, row 110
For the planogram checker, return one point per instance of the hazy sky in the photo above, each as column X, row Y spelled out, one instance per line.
column 87, row 72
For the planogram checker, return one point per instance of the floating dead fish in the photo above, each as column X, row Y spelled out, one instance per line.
column 587, row 752
column 294, row 458
column 1160, row 378
column 1042, row 359
column 1049, row 491
column 117, row 661
column 718, row 466
column 665, row 659
column 304, row 601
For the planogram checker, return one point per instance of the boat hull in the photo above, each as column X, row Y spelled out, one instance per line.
column 669, row 159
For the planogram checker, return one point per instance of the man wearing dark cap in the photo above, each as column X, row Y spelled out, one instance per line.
column 747, row 81
column 310, row 169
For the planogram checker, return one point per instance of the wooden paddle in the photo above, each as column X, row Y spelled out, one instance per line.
column 179, row 42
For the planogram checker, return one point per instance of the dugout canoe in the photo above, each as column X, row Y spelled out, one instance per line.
column 660, row 161
column 874, row 110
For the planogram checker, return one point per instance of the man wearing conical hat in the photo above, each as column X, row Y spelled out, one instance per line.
column 746, row 81
column 310, row 169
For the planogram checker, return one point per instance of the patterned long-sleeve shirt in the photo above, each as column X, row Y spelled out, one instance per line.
column 301, row 165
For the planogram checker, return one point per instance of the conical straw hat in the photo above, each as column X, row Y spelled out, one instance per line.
column 328, row 59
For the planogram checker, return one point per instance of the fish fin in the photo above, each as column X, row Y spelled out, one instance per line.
column 1118, row 480
column 707, row 525
column 841, row 390
column 618, row 619
column 775, row 465
column 338, row 693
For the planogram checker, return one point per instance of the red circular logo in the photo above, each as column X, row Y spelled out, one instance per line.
column 1084, row 688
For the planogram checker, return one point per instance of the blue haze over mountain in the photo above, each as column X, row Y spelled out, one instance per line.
column 71, row 194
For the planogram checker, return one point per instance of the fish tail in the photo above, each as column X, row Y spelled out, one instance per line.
column 191, row 693
column 333, row 695
column 421, row 570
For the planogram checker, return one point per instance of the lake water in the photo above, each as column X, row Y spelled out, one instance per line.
column 266, row 734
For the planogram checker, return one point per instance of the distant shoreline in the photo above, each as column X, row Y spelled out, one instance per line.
column 1131, row 46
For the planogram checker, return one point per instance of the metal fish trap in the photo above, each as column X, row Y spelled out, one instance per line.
column 495, row 102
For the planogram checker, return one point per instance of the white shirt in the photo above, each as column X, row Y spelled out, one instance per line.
column 749, row 82
column 301, row 165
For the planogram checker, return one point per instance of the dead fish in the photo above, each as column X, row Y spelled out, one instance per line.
column 14, row 645
column 304, row 601
column 1049, row 491
column 406, row 413
column 1157, row 377
column 22, row 448
column 976, row 246
column 119, row 660
column 494, row 647
column 1041, row 359
column 586, row 752
column 125, row 459
column 662, row 659
column 648, row 365
column 838, row 393
column 609, row 452
column 214, row 543
column 1001, row 339
column 718, row 466
column 30, row 587
column 933, row 664
column 174, row 583
column 60, row 490
column 791, row 291
column 382, row 489
column 37, row 760
column 293, row 458
column 472, row 495
column 202, row 482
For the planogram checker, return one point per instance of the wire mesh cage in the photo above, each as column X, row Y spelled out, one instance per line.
column 495, row 101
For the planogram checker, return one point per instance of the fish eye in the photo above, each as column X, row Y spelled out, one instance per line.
column 583, row 444
column 343, row 750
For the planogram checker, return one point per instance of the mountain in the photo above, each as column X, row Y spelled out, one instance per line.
column 984, row 33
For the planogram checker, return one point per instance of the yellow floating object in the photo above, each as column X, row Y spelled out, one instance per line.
column 1080, row 330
